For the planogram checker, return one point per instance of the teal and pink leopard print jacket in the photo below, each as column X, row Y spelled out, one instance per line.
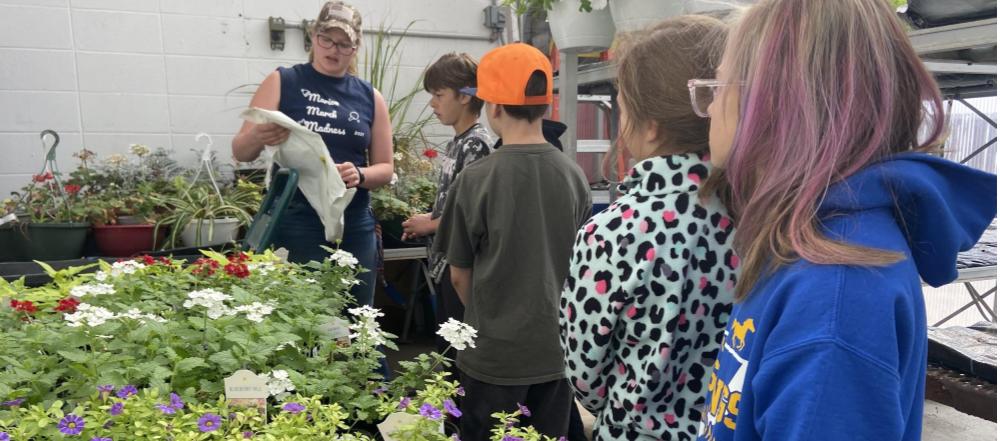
column 645, row 306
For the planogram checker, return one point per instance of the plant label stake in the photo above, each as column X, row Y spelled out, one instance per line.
column 338, row 330
column 247, row 389
column 394, row 422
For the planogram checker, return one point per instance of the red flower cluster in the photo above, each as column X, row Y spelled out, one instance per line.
column 71, row 188
column 43, row 177
column 237, row 266
column 150, row 260
column 239, row 270
column 68, row 305
column 431, row 153
column 205, row 266
column 23, row 306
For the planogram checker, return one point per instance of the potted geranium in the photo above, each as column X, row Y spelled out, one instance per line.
column 53, row 217
column 414, row 184
column 124, row 198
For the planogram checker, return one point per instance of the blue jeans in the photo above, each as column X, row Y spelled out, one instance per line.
column 301, row 233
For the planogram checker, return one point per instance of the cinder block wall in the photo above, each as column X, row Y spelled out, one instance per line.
column 109, row 73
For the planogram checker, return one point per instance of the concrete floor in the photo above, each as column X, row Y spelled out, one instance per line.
column 941, row 423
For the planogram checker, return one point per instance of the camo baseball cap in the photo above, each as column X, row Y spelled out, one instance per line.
column 341, row 16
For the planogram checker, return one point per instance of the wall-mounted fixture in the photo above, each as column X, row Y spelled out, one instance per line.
column 277, row 26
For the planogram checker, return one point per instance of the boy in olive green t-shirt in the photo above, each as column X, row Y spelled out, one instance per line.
column 508, row 229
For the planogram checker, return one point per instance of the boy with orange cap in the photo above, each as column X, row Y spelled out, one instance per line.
column 508, row 229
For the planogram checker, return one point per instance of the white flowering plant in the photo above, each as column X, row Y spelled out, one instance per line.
column 181, row 326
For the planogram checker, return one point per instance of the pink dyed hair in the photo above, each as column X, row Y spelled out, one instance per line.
column 829, row 87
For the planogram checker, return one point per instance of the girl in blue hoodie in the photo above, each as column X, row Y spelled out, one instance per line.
column 840, row 213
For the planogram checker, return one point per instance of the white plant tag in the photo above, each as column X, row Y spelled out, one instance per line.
column 394, row 422
column 247, row 389
column 339, row 330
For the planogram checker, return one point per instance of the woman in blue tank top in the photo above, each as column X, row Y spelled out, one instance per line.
column 353, row 119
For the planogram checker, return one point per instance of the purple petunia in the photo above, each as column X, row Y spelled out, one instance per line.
column 380, row 390
column 209, row 422
column 460, row 391
column 167, row 410
column 430, row 412
column 100, row 439
column 247, row 435
column 404, row 403
column 12, row 403
column 293, row 407
column 71, row 425
column 451, row 408
column 116, row 409
column 524, row 410
column 512, row 438
column 454, row 437
column 127, row 391
column 176, row 402
column 105, row 390
column 4, row 436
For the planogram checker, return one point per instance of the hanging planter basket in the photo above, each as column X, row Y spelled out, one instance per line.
column 580, row 32
column 12, row 243
column 126, row 240
column 634, row 15
column 56, row 241
column 209, row 232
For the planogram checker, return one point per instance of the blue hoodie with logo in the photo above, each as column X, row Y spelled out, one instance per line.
column 839, row 352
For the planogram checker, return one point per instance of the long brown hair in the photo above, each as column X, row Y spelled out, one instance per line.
column 828, row 88
column 654, row 66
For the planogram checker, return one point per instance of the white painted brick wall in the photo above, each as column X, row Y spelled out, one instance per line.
column 109, row 73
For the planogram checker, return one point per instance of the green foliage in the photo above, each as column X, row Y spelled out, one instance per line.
column 415, row 172
column 193, row 203
column 176, row 345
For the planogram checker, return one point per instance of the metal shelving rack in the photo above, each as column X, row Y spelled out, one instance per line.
column 953, row 53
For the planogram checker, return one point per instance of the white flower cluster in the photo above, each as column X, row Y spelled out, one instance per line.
column 126, row 267
column 91, row 289
column 350, row 282
column 459, row 335
column 212, row 300
column 279, row 385
column 100, row 276
column 136, row 314
column 255, row 311
column 367, row 325
column 261, row 267
column 344, row 258
column 215, row 302
column 89, row 315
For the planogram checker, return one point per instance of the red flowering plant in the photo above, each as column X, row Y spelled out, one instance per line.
column 52, row 197
column 414, row 184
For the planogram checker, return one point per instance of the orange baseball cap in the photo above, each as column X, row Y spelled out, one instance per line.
column 503, row 74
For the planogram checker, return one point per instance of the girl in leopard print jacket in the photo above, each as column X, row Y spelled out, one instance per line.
column 651, row 279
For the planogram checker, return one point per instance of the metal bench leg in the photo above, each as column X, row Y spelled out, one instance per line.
column 977, row 298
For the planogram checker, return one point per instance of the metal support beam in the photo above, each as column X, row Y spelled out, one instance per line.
column 960, row 67
column 977, row 112
column 567, row 100
column 981, row 33
column 978, row 151
column 977, row 299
